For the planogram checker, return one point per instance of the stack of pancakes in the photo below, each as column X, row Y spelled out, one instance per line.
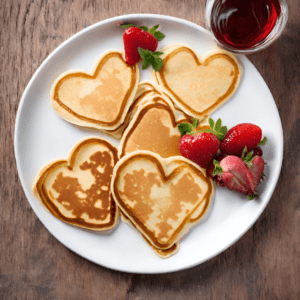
column 156, row 190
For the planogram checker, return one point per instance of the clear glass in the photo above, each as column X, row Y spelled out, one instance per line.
column 272, row 36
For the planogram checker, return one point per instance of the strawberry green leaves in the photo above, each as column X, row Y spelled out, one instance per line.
column 158, row 35
column 195, row 123
column 251, row 197
column 129, row 25
column 186, row 128
column 152, row 58
column 218, row 169
column 247, row 158
column 215, row 128
column 145, row 28
column 262, row 142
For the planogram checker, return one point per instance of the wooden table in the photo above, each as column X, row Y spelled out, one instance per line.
column 263, row 264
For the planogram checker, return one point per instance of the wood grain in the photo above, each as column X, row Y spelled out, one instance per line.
column 263, row 264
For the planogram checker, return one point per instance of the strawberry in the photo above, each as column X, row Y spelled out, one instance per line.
column 133, row 39
column 239, row 176
column 241, row 136
column 137, row 40
column 200, row 148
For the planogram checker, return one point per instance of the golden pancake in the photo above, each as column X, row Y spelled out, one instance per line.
column 160, row 196
column 154, row 127
column 144, row 89
column 198, row 214
column 77, row 190
column 198, row 85
column 100, row 100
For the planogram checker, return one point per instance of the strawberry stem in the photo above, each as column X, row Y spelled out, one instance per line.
column 251, row 197
column 263, row 141
column 218, row 169
column 215, row 128
column 195, row 123
column 244, row 152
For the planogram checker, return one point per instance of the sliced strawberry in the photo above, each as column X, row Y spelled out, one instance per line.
column 256, row 168
column 241, row 180
column 200, row 148
column 134, row 38
column 233, row 183
column 241, row 136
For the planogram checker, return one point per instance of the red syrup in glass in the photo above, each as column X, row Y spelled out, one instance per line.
column 242, row 24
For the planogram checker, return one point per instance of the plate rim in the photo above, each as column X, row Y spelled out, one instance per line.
column 123, row 18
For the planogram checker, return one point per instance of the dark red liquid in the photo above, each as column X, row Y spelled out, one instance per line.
column 242, row 24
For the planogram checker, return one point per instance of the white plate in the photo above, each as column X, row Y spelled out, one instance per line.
column 41, row 135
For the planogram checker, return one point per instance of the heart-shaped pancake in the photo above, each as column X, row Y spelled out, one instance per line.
column 198, row 85
column 160, row 196
column 198, row 214
column 77, row 190
column 154, row 127
column 100, row 100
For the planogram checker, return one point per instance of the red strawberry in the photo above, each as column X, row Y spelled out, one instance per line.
column 200, row 148
column 236, row 175
column 239, row 136
column 133, row 39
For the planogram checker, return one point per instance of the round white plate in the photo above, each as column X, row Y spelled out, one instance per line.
column 41, row 135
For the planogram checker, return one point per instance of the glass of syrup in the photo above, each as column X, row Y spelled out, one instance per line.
column 245, row 26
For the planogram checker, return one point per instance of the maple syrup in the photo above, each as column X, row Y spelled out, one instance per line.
column 243, row 24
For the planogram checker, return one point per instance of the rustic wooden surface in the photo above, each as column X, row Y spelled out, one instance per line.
column 263, row 264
